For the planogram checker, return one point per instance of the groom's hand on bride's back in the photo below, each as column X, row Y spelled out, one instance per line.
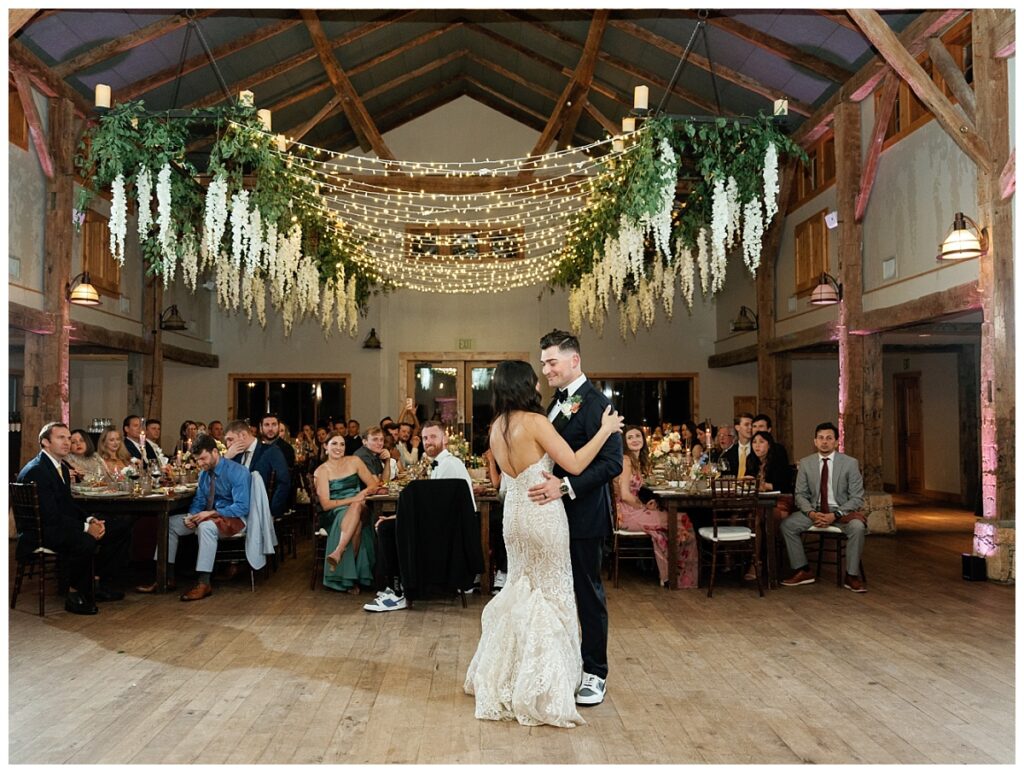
column 611, row 420
column 548, row 491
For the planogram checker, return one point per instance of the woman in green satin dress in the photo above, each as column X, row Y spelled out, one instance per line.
column 350, row 556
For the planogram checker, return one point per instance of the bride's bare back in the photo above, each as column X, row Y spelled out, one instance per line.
column 531, row 435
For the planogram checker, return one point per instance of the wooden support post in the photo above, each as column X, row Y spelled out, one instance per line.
column 872, row 401
column 998, row 364
column 782, row 422
column 47, row 356
column 970, row 465
column 153, row 358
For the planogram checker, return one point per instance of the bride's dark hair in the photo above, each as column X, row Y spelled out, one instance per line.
column 514, row 389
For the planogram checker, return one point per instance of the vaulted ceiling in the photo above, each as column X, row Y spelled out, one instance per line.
column 340, row 79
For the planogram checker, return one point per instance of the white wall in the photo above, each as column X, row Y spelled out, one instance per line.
column 99, row 390
column 815, row 399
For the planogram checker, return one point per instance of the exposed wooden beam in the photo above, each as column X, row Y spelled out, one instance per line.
column 775, row 46
column 735, row 357
column 504, row 98
column 883, row 112
column 1005, row 37
column 190, row 356
column 512, row 76
column 355, row 110
column 168, row 74
column 35, row 125
column 124, row 43
column 961, row 130
column 791, row 342
column 867, row 78
column 1008, row 177
column 839, row 18
column 18, row 18
column 299, row 59
column 296, row 134
column 629, row 68
column 409, row 45
column 606, row 123
column 44, row 78
column 720, row 70
column 405, row 77
column 583, row 77
column 965, row 297
column 951, row 74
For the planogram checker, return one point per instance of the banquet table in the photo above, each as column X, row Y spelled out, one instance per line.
column 484, row 502
column 695, row 502
column 159, row 506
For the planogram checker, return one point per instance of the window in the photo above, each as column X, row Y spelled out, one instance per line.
column 297, row 400
column 17, row 123
column 909, row 113
column 460, row 241
column 811, row 252
column 818, row 173
column 104, row 271
column 649, row 401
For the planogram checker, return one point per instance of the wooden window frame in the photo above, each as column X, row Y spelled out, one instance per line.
column 346, row 378
column 819, row 175
column 817, row 260
column 104, row 271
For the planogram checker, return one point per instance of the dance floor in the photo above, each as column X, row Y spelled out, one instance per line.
column 918, row 670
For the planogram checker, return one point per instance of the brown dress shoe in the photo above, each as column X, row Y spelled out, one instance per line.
column 199, row 591
column 855, row 583
column 803, row 577
column 151, row 588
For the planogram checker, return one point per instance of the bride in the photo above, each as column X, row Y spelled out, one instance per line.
column 528, row 664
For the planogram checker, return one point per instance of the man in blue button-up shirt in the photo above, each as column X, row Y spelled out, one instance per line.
column 219, row 508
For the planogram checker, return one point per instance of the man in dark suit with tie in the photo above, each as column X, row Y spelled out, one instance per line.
column 576, row 413
column 79, row 540
column 244, row 448
column 829, row 492
column 132, row 430
column 741, row 458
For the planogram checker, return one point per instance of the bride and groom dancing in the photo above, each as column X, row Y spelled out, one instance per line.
column 543, row 646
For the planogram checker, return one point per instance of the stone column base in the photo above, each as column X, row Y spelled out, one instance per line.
column 995, row 540
column 879, row 512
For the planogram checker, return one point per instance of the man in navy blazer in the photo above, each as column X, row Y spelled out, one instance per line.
column 77, row 538
column 576, row 413
column 243, row 447
column 829, row 492
column 131, row 428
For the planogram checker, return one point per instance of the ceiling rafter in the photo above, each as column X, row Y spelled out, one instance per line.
column 351, row 102
column 775, row 46
column 329, row 107
column 626, row 67
column 719, row 70
column 168, row 74
column 952, row 75
column 35, row 125
column 269, row 73
column 124, row 43
column 840, row 18
column 44, row 78
column 18, row 18
column 883, row 112
column 504, row 98
column 415, row 42
column 576, row 88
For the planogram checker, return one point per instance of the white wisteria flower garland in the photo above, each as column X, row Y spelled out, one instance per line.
column 166, row 225
column 118, row 219
column 144, row 192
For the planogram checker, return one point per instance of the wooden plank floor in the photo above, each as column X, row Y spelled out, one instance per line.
column 918, row 670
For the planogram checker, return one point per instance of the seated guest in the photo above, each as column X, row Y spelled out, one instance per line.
column 742, row 461
column 219, row 509
column 242, row 447
column 829, row 491
column 376, row 458
column 636, row 515
column 306, row 443
column 112, row 453
column 216, row 430
column 687, row 433
column 84, row 461
column 186, row 436
column 84, row 543
column 270, row 431
column 132, row 431
column 391, row 446
column 763, row 423
column 353, row 442
column 773, row 474
column 697, row 450
column 444, row 465
column 342, row 483
column 154, row 431
column 408, row 444
column 725, row 440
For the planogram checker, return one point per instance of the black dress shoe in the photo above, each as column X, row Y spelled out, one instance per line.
column 108, row 594
column 77, row 605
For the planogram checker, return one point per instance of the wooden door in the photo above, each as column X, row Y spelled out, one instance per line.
column 909, row 444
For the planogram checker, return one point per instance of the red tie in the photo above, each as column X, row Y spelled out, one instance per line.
column 824, row 486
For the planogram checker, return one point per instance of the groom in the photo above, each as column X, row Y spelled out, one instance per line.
column 576, row 413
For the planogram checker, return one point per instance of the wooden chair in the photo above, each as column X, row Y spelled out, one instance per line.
column 29, row 523
column 831, row 540
column 627, row 545
column 319, row 534
column 284, row 524
column 231, row 550
column 734, row 525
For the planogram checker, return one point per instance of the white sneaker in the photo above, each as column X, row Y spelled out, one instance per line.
column 591, row 691
column 499, row 582
column 386, row 601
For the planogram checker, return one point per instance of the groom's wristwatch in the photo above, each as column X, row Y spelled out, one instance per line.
column 564, row 488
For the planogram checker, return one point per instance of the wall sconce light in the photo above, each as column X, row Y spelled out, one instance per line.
column 965, row 240
column 80, row 291
column 828, row 292
column 745, row 321
column 170, row 319
column 372, row 342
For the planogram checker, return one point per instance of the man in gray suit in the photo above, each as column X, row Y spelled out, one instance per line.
column 829, row 491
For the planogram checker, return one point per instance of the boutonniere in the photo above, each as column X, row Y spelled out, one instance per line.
column 571, row 405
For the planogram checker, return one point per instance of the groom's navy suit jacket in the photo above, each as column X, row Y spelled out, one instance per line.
column 590, row 513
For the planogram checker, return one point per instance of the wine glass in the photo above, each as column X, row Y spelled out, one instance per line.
column 723, row 466
column 155, row 473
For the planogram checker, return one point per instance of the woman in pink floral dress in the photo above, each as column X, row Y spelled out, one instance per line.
column 634, row 515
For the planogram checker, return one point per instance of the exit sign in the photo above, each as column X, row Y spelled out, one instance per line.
column 465, row 343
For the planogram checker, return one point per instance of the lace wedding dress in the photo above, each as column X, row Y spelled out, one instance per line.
column 528, row 664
